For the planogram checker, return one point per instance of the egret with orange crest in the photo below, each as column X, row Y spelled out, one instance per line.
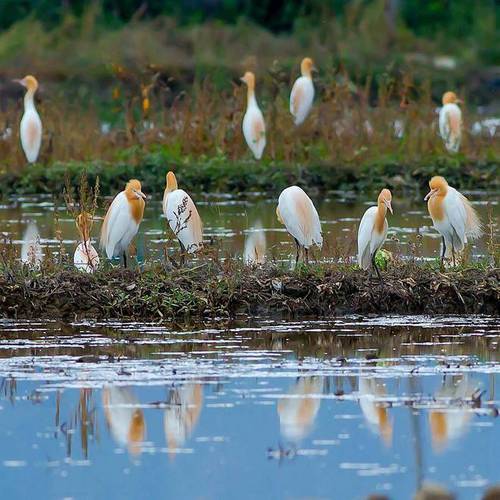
column 450, row 122
column 122, row 221
column 31, row 124
column 302, row 95
column 254, row 128
column 372, row 231
column 453, row 216
column 182, row 217
column 297, row 212
column 85, row 257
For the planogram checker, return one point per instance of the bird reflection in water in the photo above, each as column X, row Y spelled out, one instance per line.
column 298, row 411
column 451, row 420
column 182, row 415
column 375, row 410
column 125, row 420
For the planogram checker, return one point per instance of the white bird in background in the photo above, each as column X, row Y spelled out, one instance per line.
column 124, row 418
column 375, row 412
column 31, row 125
column 298, row 411
column 302, row 95
column 453, row 217
column 85, row 257
column 31, row 250
column 182, row 217
column 372, row 231
column 254, row 128
column 182, row 414
column 451, row 420
column 450, row 122
column 122, row 220
column 255, row 246
column 297, row 212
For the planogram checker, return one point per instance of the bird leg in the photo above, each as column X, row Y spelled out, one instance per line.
column 443, row 253
column 306, row 252
column 125, row 259
column 298, row 251
column 183, row 255
column 376, row 267
column 453, row 254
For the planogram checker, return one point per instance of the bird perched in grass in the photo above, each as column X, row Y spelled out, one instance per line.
column 453, row 217
column 372, row 231
column 450, row 122
column 122, row 221
column 254, row 128
column 182, row 217
column 302, row 95
column 31, row 124
column 85, row 257
column 297, row 212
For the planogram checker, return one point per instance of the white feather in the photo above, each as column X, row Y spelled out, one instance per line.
column 460, row 222
column 121, row 227
column 253, row 120
column 183, row 219
column 300, row 217
column 369, row 241
column 449, row 112
column 304, row 88
column 86, row 257
column 31, row 131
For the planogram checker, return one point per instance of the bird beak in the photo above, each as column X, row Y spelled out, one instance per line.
column 314, row 69
column 389, row 206
column 242, row 79
column 429, row 194
column 140, row 194
column 17, row 80
column 459, row 101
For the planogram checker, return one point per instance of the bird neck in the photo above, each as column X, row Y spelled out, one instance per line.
column 307, row 73
column 251, row 96
column 380, row 218
column 29, row 101
column 136, row 209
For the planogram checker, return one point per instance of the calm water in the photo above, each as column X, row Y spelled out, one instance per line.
column 249, row 409
column 229, row 221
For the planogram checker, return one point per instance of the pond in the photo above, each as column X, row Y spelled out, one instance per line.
column 251, row 408
column 229, row 221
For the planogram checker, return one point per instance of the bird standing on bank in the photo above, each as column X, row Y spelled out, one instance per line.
column 297, row 212
column 254, row 128
column 302, row 95
column 85, row 257
column 450, row 122
column 453, row 217
column 372, row 231
column 122, row 220
column 182, row 217
column 31, row 125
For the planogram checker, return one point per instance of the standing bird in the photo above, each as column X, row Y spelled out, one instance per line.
column 453, row 217
column 182, row 217
column 302, row 95
column 297, row 212
column 372, row 231
column 254, row 128
column 450, row 122
column 85, row 257
column 122, row 220
column 31, row 125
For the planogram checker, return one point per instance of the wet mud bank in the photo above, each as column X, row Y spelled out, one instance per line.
column 212, row 291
